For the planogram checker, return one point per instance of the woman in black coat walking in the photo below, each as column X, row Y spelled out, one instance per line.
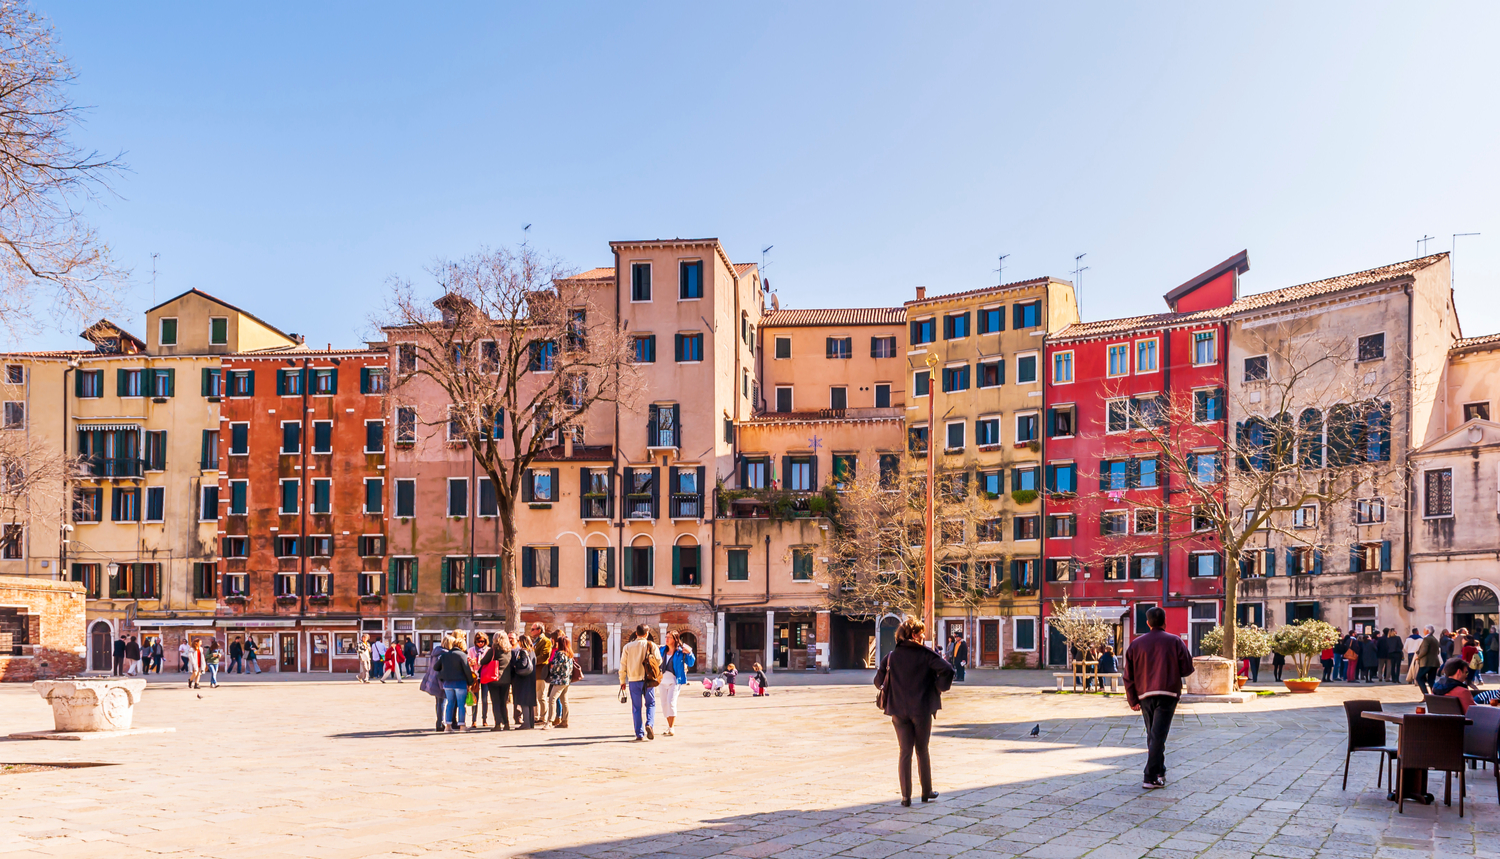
column 911, row 681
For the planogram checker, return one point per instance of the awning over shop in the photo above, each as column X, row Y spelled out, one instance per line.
column 1109, row 613
column 108, row 427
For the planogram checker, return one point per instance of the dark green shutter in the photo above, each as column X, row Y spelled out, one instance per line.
column 414, row 588
column 203, row 450
column 78, row 382
column 473, row 564
column 556, row 487
column 1317, row 569
column 609, row 566
column 121, row 384
column 249, row 382
column 656, row 493
column 364, row 380
column 528, row 567
column 583, row 488
column 628, row 555
column 1133, row 474
column 207, row 384
column 333, row 381
column 171, row 381
column 390, row 576
column 1354, row 557
column 553, row 583
column 528, row 487
column 1385, row 556
column 280, row 383
column 676, row 565
column 1270, row 562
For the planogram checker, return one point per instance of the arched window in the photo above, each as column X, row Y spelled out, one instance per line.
column 687, row 563
column 1345, row 434
column 1310, row 439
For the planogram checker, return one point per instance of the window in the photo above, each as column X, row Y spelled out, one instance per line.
column 155, row 452
column 322, row 437
column 458, row 497
column 291, row 437
column 990, row 483
column 1119, row 360
column 845, row 466
column 916, row 439
column 322, row 491
column 882, row 347
column 1372, row 347
column 686, row 566
column 1023, row 479
column 1025, row 634
column 403, row 575
column 991, row 373
column 1062, row 368
column 289, row 493
column 1369, row 511
column 690, row 280
column 955, row 326
column 838, row 397
column 213, row 382
column 638, row 567
column 1113, row 523
column 236, row 547
column 1437, row 496
column 489, row 503
column 1145, row 356
column 1026, row 426
column 644, row 348
column 15, row 415
column 991, row 320
column 406, row 425
column 238, row 492
column 799, row 473
column 923, row 331
column 208, row 456
column 1146, row 521
column 288, row 547
column 1116, row 568
column 239, row 439
column 1145, row 567
column 168, row 335
column 1062, row 525
column 87, row 504
column 841, row 348
column 208, row 507
column 1202, row 518
column 1026, row 369
column 1256, row 369
column 1205, row 351
column 739, row 565
column 956, row 378
column 1114, row 475
column 955, row 430
column 753, row 473
column 325, row 382
column 11, row 541
column 921, row 383
column 1257, row 563
column 989, row 530
column 783, row 347
column 1205, row 565
column 1476, row 411
column 542, row 357
column 374, row 436
column 241, row 383
column 1208, row 405
column 90, row 384
column 129, row 383
column 640, row 281
column 882, row 396
column 320, row 546
column 890, row 470
column 1205, row 466
column 987, row 431
column 1027, row 527
column 1060, row 421
column 1370, row 557
column 218, row 330
column 406, row 358
column 125, row 505
column 406, row 499
column 689, row 348
column 15, row 374
column 1305, row 516
column 205, row 578
column 599, row 567
column 783, row 399
column 1028, row 315
column 289, row 383
column 541, row 485
column 372, row 380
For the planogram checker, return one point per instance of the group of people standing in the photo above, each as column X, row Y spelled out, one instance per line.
column 396, row 660
column 132, row 657
column 1366, row 657
column 527, row 677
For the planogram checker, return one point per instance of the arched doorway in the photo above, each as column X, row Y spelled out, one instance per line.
column 1476, row 609
column 591, row 651
column 101, row 647
column 700, row 659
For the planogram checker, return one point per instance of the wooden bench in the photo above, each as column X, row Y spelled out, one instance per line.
column 1114, row 680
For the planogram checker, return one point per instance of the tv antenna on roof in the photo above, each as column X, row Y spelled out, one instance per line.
column 154, row 255
column 1000, row 269
column 525, row 234
column 1422, row 244
column 1078, row 269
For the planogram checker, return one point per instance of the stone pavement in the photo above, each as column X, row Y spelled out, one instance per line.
column 336, row 769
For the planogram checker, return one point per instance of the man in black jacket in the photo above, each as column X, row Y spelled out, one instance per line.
column 1155, row 664
column 120, row 656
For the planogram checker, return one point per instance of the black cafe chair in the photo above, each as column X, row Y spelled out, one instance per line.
column 1432, row 742
column 1442, row 705
column 1366, row 735
column 1482, row 739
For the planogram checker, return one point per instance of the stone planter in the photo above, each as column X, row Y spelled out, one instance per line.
column 1303, row 684
column 1211, row 675
column 93, row 704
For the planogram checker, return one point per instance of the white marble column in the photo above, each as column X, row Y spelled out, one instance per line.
column 720, row 642
column 706, row 653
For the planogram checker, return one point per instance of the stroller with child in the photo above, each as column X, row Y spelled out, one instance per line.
column 713, row 686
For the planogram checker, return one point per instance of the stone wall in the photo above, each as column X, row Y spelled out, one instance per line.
column 49, row 616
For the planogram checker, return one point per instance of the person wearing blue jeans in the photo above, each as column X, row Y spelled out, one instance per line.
column 455, row 674
column 634, row 659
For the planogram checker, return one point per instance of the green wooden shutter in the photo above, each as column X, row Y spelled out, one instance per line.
column 414, row 588
column 1353, row 557
column 528, row 488
column 203, row 450
column 390, row 576
column 650, row 566
column 656, row 493
column 1317, row 569
column 528, row 567
column 473, row 564
column 78, row 382
column 121, row 385
column 1270, row 562
column 676, row 565
column 207, row 384
column 583, row 488
column 609, row 566
column 280, row 383
column 628, row 556
column 553, row 583
column 1385, row 556
column 364, row 380
column 249, row 382
column 333, row 381
column 171, row 381
column 554, row 476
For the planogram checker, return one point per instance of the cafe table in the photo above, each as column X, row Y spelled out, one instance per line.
column 1413, row 781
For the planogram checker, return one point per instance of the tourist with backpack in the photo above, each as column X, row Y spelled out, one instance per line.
column 523, row 682
column 640, row 673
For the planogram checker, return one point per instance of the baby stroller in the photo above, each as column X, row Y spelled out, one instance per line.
column 714, row 686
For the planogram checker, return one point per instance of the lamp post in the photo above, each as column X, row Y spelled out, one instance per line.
column 929, row 602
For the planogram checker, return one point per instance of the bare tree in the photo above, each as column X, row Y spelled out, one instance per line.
column 32, row 479
column 876, row 546
column 1312, row 427
column 523, row 355
column 1084, row 630
column 48, row 253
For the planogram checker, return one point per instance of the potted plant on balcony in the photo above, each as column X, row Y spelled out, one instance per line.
column 286, row 599
column 235, row 599
column 1303, row 642
column 1023, row 496
column 1250, row 642
column 319, row 600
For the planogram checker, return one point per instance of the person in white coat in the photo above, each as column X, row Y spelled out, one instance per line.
column 194, row 661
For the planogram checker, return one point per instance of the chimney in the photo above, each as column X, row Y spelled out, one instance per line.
column 921, row 292
column 567, row 445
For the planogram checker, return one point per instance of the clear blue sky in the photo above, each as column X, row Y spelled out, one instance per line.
column 291, row 157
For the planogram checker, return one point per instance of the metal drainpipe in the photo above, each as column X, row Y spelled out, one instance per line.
column 1041, row 573
column 1166, row 479
column 67, row 507
column 306, row 439
column 1411, row 489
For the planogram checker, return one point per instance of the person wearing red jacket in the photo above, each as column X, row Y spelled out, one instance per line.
column 1155, row 664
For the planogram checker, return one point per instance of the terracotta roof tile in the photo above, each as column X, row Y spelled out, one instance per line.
column 602, row 273
column 742, row 267
column 1134, row 323
column 1467, row 343
column 982, row 290
column 1331, row 285
column 800, row 317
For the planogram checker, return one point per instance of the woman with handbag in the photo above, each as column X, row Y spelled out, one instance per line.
column 676, row 659
column 559, row 679
column 478, row 705
column 494, row 679
column 911, row 681
column 522, row 686
column 456, row 675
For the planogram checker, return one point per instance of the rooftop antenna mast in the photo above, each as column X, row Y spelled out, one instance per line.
column 1078, row 269
column 1000, row 269
column 1456, row 237
column 525, row 235
column 154, row 255
column 1422, row 244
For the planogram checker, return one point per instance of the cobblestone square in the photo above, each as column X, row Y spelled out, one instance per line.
column 336, row 769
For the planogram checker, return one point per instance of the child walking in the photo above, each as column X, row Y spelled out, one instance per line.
column 759, row 683
column 729, row 674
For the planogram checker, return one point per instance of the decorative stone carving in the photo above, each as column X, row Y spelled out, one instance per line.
column 1212, row 675
column 91, row 704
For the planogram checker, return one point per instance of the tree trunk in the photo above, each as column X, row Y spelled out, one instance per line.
column 1230, row 622
column 509, row 586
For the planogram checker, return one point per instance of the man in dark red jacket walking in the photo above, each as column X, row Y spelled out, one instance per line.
column 1155, row 664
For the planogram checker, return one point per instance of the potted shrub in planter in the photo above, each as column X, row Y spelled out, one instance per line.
column 1303, row 643
column 1250, row 642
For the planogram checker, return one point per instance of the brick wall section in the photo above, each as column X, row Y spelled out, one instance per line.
column 55, row 627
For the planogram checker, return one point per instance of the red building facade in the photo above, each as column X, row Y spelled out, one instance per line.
column 303, row 503
column 1107, row 542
